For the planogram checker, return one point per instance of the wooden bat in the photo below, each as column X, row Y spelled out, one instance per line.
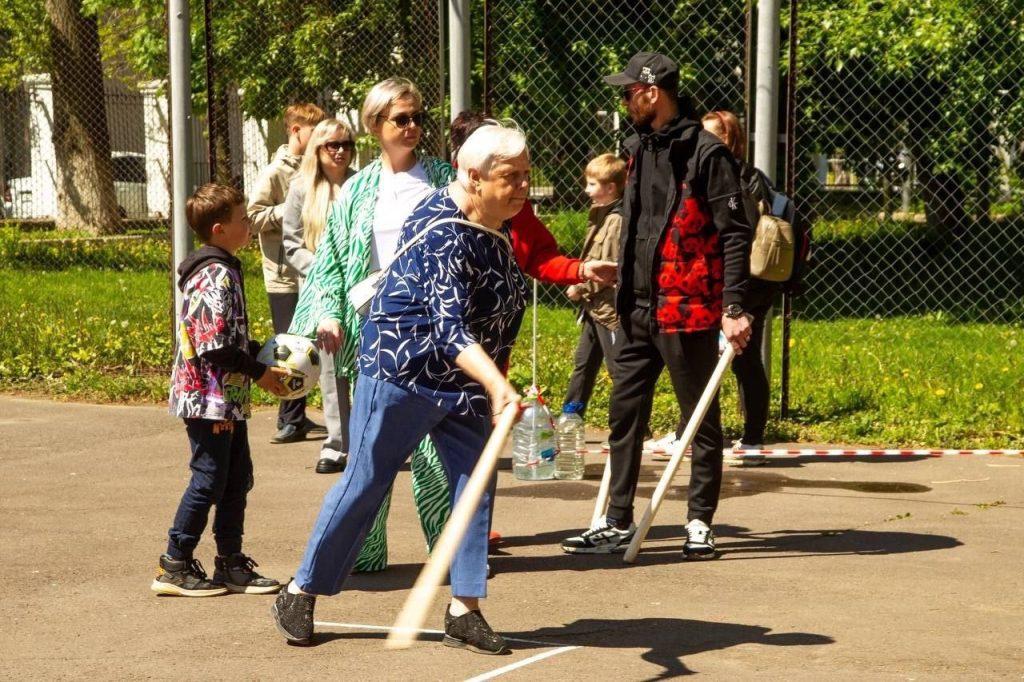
column 414, row 611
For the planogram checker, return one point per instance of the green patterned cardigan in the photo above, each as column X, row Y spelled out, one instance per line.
column 343, row 259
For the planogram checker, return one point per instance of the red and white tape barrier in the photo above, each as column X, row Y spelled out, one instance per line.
column 853, row 452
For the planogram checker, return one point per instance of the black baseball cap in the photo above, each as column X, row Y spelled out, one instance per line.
column 649, row 68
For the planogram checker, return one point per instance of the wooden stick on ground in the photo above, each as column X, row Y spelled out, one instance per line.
column 679, row 448
column 414, row 611
column 601, row 504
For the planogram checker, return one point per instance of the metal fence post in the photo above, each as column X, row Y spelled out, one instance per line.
column 181, row 127
column 458, row 55
column 787, row 299
column 766, row 126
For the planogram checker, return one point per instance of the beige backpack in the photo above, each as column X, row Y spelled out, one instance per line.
column 773, row 249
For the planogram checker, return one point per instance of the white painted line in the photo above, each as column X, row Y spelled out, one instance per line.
column 388, row 628
column 521, row 664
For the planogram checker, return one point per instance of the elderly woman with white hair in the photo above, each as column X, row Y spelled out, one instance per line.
column 436, row 340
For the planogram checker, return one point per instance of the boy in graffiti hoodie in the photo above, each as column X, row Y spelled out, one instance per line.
column 213, row 367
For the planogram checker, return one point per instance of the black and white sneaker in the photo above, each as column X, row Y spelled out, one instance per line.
column 236, row 573
column 700, row 541
column 184, row 578
column 293, row 616
column 603, row 539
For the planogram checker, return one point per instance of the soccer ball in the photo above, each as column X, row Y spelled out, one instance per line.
column 299, row 356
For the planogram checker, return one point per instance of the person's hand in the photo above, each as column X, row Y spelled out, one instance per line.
column 573, row 293
column 737, row 331
column 329, row 335
column 502, row 394
column 601, row 271
column 271, row 380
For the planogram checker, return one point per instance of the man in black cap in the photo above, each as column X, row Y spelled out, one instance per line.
column 684, row 264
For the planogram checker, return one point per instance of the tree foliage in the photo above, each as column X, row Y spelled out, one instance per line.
column 941, row 77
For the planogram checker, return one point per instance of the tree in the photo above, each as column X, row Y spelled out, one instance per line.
column 942, row 78
column 81, row 140
column 549, row 57
column 67, row 48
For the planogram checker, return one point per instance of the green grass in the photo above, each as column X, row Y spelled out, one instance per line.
column 898, row 382
column 79, row 332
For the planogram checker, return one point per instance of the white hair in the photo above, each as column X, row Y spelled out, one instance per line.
column 487, row 145
column 383, row 95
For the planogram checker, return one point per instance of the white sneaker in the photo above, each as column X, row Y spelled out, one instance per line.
column 661, row 448
column 737, row 458
column 700, row 541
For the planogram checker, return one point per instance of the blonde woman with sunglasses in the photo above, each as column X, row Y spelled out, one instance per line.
column 323, row 170
column 361, row 235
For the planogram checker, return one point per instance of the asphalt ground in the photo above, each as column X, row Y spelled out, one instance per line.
column 902, row 569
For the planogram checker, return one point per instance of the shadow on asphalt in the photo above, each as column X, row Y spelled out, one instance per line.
column 735, row 543
column 666, row 641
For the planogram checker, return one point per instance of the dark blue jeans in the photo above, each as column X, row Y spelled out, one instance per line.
column 221, row 477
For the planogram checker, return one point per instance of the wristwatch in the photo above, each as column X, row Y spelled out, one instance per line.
column 733, row 311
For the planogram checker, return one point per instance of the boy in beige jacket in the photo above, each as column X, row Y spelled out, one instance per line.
column 265, row 209
column 600, row 336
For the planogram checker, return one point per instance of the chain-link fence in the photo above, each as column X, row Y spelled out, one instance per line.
column 85, row 281
column 911, row 157
column 909, row 147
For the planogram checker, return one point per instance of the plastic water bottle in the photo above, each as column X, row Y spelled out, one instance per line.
column 572, row 443
column 533, row 441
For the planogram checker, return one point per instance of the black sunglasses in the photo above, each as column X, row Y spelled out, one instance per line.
column 402, row 121
column 333, row 146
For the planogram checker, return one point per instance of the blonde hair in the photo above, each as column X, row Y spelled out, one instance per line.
column 302, row 114
column 607, row 168
column 726, row 126
column 319, row 190
column 383, row 95
column 488, row 145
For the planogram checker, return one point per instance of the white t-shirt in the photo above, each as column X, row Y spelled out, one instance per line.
column 397, row 195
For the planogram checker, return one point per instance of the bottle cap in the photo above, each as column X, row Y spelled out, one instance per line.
column 574, row 407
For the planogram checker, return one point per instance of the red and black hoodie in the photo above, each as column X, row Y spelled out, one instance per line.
column 685, row 247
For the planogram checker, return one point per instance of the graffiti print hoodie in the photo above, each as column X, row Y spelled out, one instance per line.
column 214, row 362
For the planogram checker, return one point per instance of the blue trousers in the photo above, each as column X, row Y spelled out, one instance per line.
column 388, row 422
column 221, row 476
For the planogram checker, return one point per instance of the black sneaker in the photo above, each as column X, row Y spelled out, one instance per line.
column 326, row 465
column 700, row 541
column 471, row 631
column 235, row 573
column 293, row 616
column 184, row 578
column 604, row 539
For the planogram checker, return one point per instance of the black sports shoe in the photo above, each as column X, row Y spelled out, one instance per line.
column 604, row 539
column 235, row 573
column 471, row 631
column 293, row 615
column 184, row 578
column 288, row 433
column 326, row 465
column 700, row 541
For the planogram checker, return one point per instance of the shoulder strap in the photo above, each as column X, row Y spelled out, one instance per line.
column 434, row 223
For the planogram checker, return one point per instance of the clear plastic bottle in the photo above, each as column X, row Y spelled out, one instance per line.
column 533, row 441
column 572, row 443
